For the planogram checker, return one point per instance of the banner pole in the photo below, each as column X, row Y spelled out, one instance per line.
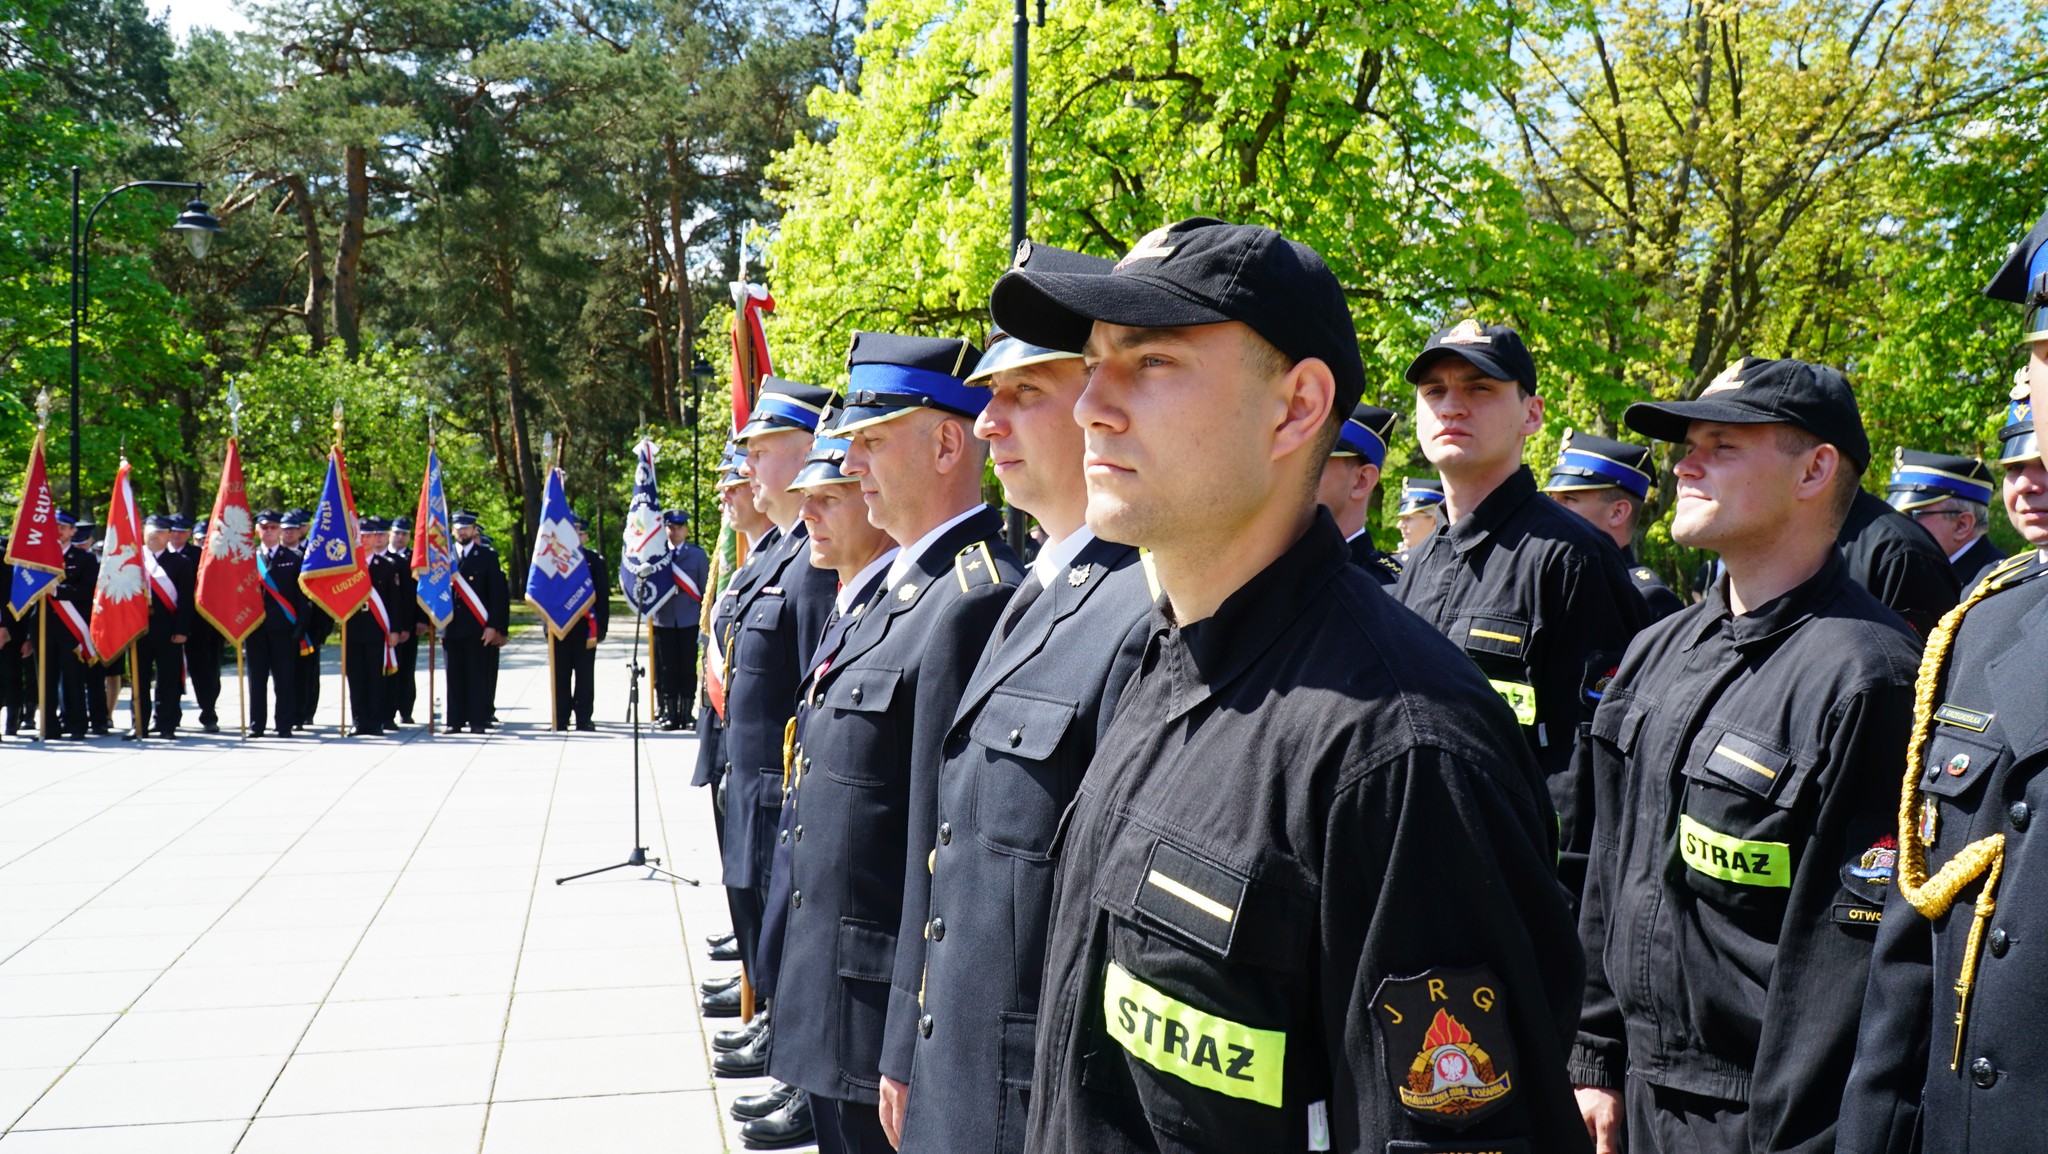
column 554, row 698
column 43, row 666
column 653, row 666
column 344, row 728
column 134, row 691
column 241, row 692
column 433, row 642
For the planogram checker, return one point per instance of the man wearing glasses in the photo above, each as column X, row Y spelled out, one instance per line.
column 1951, row 498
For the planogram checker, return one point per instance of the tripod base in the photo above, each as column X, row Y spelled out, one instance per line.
column 638, row 859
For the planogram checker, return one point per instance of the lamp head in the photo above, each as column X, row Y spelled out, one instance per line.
column 198, row 225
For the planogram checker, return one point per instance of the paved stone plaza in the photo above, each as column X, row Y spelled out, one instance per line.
column 357, row 945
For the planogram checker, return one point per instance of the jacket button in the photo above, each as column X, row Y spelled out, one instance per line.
column 785, row 837
column 1016, row 738
column 938, row 929
column 1982, row 1072
column 945, row 833
column 924, row 1027
column 2019, row 815
column 799, row 832
column 807, row 763
column 856, row 695
column 2000, row 942
column 796, row 898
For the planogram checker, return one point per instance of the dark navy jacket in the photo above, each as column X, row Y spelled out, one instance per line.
column 711, row 753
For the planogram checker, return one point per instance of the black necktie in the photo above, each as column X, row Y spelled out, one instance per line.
column 1026, row 593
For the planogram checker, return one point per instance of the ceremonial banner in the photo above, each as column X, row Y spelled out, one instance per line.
column 433, row 557
column 230, row 592
column 32, row 548
column 335, row 574
column 749, row 349
column 120, row 603
column 644, row 562
column 558, row 582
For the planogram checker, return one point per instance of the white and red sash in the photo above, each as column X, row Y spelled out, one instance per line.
column 466, row 594
column 382, row 616
column 160, row 582
column 69, row 616
column 684, row 583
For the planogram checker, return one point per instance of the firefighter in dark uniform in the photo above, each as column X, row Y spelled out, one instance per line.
column 1953, row 1054
column 1304, row 898
column 846, row 544
column 1021, row 739
column 370, row 684
column 1606, row 482
column 676, row 622
column 1349, row 487
column 405, row 691
column 169, row 580
column 272, row 651
column 1895, row 558
column 1951, row 498
column 315, row 628
column 780, row 614
column 1538, row 599
column 71, row 682
column 477, row 627
column 871, row 741
column 576, row 652
column 1743, row 843
column 1418, row 515
column 2025, row 487
column 17, row 692
column 204, row 645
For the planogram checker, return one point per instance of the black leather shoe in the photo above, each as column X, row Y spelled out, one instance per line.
column 716, row 940
column 728, row 951
column 726, row 1041
column 761, row 1105
column 789, row 1126
column 718, row 985
column 749, row 1061
column 723, row 1004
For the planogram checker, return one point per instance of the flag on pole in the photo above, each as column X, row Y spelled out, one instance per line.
column 749, row 348
column 120, row 602
column 335, row 574
column 433, row 557
column 230, row 591
column 644, row 563
column 558, row 581
column 33, row 548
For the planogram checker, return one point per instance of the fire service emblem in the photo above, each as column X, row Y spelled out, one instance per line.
column 1445, row 1044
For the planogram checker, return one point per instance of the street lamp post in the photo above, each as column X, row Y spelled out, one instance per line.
column 700, row 372
column 195, row 222
column 1020, row 91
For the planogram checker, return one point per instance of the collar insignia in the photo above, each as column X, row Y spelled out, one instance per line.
column 906, row 591
column 1079, row 574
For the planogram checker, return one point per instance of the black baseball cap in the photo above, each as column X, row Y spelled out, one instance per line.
column 1495, row 350
column 1759, row 392
column 1199, row 271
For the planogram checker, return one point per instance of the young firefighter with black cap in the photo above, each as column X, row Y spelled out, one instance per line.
column 1351, row 481
column 1024, row 733
column 1304, row 898
column 1950, row 497
column 871, row 738
column 1535, row 597
column 1606, row 482
column 1953, row 1054
column 1743, row 814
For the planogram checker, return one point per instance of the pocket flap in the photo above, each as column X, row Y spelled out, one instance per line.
column 1163, row 883
column 1736, row 761
column 765, row 613
column 867, row 952
column 1504, row 636
column 1617, row 722
column 1023, row 726
column 863, row 690
column 1956, row 761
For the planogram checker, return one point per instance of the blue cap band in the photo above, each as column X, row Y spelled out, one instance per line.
column 1362, row 441
column 877, row 392
column 782, row 410
column 1613, row 471
column 1962, row 487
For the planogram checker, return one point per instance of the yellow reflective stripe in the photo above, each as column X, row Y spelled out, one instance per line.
column 1520, row 698
column 1731, row 859
column 1197, row 1047
column 1191, row 896
column 1510, row 638
column 1733, row 756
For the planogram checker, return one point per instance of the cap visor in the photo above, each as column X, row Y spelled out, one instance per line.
column 1907, row 500
column 1013, row 354
column 1057, row 310
column 1476, row 354
column 1668, row 420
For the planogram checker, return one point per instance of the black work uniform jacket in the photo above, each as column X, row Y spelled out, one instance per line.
column 1022, row 737
column 1305, row 897
column 1913, row 1088
column 1542, row 603
column 1889, row 554
column 1745, row 779
column 867, row 796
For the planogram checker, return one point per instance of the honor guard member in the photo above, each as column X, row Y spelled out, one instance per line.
column 404, row 690
column 1538, row 599
column 1023, row 735
column 1606, row 482
column 204, row 646
column 575, row 664
column 872, row 738
column 1950, row 497
column 1350, row 484
column 844, row 542
column 1744, row 826
column 1304, row 897
column 375, row 631
column 272, row 651
column 160, row 649
column 2026, row 480
column 477, row 628
column 1417, row 516
column 1953, row 1054
column 316, row 626
column 676, row 621
column 1895, row 558
column 780, row 614
column 71, row 678
column 16, row 695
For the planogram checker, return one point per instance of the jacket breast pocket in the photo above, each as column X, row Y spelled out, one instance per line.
column 756, row 648
column 1956, row 761
column 859, row 702
column 1736, row 824
column 1021, row 785
column 1499, row 645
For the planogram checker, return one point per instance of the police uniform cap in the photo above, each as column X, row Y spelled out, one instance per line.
column 86, row 525
column 821, row 465
column 729, row 466
column 1200, row 271
column 374, row 525
column 1419, row 494
column 676, row 517
column 2023, row 280
column 180, row 523
column 2016, row 443
column 889, row 375
column 462, row 517
column 1920, row 479
column 784, row 406
column 1585, row 461
column 1365, row 434
column 297, row 519
column 404, row 523
column 1496, row 351
column 269, row 517
column 157, row 521
column 64, row 517
column 1759, row 392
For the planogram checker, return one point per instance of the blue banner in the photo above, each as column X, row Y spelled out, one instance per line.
column 644, row 560
column 433, row 553
column 29, row 584
column 558, row 582
column 334, row 574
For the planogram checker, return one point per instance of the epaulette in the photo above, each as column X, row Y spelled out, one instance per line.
column 1388, row 563
column 975, row 565
column 2009, row 573
column 1643, row 574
